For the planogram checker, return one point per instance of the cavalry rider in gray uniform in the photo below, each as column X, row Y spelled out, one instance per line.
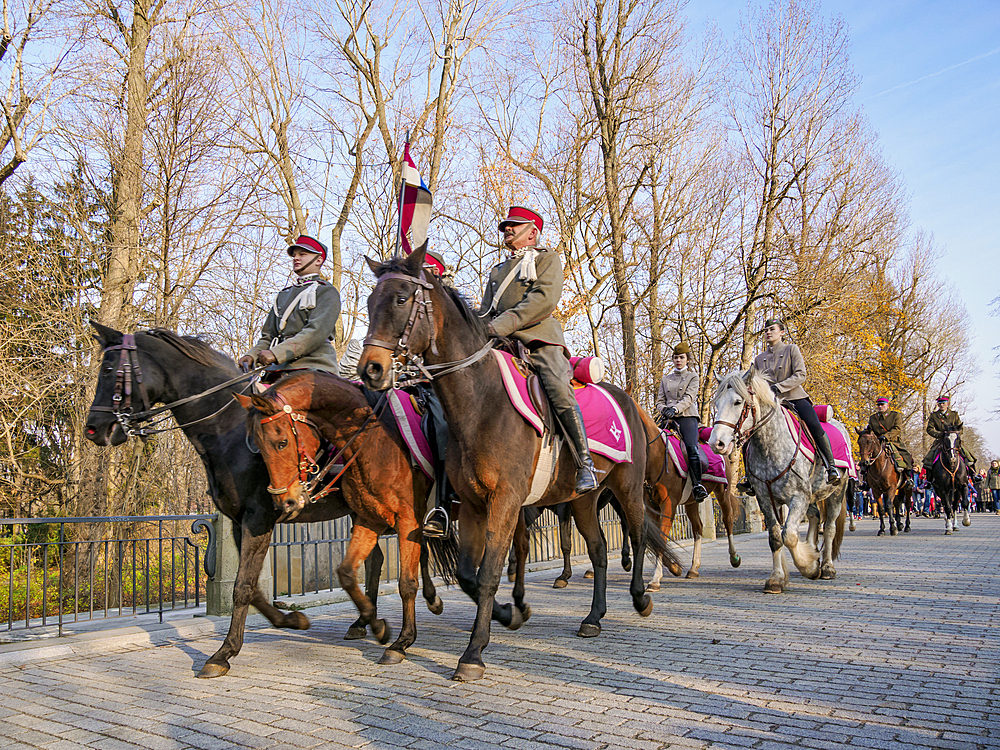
column 299, row 328
column 782, row 366
column 889, row 424
column 677, row 401
column 942, row 420
column 519, row 299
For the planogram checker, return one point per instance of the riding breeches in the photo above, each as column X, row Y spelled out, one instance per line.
column 807, row 413
column 553, row 369
column 688, row 428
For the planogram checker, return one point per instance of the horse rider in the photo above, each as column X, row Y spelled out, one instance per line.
column 436, row 521
column 782, row 366
column 676, row 401
column 520, row 296
column 888, row 424
column 300, row 325
column 943, row 420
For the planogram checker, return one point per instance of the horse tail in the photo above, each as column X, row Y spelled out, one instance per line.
column 657, row 545
column 838, row 536
column 443, row 554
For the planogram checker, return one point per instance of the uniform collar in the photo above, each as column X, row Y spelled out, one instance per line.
column 303, row 280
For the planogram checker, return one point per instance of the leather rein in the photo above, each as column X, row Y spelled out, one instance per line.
column 310, row 473
column 402, row 356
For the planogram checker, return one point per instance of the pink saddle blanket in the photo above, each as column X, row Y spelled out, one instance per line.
column 842, row 457
column 408, row 418
column 608, row 433
column 713, row 467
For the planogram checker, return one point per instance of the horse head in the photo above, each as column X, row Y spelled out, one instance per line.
column 738, row 401
column 288, row 442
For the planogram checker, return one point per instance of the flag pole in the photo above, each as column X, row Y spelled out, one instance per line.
column 399, row 203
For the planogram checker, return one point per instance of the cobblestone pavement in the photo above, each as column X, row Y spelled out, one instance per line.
column 900, row 651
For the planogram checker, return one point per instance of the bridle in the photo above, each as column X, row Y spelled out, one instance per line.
column 128, row 371
column 402, row 356
column 749, row 408
column 310, row 473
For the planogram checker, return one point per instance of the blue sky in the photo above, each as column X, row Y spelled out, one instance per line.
column 931, row 88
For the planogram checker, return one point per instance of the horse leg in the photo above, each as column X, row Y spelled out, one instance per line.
column 520, row 547
column 665, row 510
column 833, row 507
column 805, row 556
column 893, row 513
column 779, row 577
column 963, row 494
column 495, row 536
column 512, row 565
column 373, row 577
column 585, row 513
column 697, row 530
column 728, row 505
column 408, row 530
column 562, row 512
column 472, row 544
column 252, row 537
column 626, row 535
column 363, row 539
column 654, row 582
column 434, row 603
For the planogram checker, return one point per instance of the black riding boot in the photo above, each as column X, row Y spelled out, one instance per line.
column 698, row 490
column 826, row 452
column 586, row 472
column 436, row 520
column 744, row 485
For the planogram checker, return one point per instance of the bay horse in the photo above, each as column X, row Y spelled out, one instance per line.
column 492, row 451
column 950, row 478
column 163, row 366
column 782, row 476
column 665, row 490
column 885, row 482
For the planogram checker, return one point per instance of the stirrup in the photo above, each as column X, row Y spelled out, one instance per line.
column 586, row 479
column 745, row 487
column 435, row 523
column 833, row 475
column 698, row 492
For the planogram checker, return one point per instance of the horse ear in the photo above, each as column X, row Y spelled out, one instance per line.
column 748, row 375
column 858, row 430
column 106, row 336
column 245, row 401
column 374, row 265
column 262, row 404
column 415, row 261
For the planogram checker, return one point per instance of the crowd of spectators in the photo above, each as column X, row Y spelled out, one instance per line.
column 984, row 495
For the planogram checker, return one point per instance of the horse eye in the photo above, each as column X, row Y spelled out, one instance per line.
column 401, row 300
column 282, row 445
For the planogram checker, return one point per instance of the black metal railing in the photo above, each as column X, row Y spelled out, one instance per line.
column 64, row 570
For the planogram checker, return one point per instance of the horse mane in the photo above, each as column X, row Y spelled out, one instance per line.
column 396, row 265
column 761, row 388
column 191, row 347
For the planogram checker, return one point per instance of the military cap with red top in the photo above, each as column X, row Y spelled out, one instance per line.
column 310, row 245
column 435, row 261
column 881, row 400
column 521, row 215
column 943, row 399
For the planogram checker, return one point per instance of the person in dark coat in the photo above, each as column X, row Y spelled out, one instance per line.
column 519, row 299
column 299, row 329
column 677, row 401
column 888, row 423
column 943, row 420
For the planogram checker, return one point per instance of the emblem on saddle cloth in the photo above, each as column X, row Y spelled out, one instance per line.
column 608, row 434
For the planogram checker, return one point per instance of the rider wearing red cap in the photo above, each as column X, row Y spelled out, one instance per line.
column 519, row 300
column 943, row 420
column 299, row 328
column 889, row 424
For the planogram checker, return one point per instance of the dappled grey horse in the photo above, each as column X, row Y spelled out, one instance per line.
column 781, row 475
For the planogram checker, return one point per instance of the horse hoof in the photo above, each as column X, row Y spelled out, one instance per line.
column 735, row 560
column 589, row 574
column 693, row 574
column 653, row 586
column 967, row 522
column 828, row 574
column 589, row 631
column 382, row 631
column 852, row 526
column 675, row 570
column 893, row 532
column 392, row 657
column 560, row 583
column 772, row 587
column 947, row 532
column 511, row 578
column 525, row 612
column 906, row 530
column 644, row 606
column 355, row 633
column 212, row 669
column 468, row 672
column 626, row 565
column 437, row 606
column 516, row 618
column 297, row 621
column 880, row 532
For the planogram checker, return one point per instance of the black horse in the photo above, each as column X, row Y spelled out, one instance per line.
column 162, row 366
column 950, row 478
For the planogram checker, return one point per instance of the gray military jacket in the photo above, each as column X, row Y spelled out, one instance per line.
column 782, row 366
column 310, row 310
column 679, row 390
column 524, row 310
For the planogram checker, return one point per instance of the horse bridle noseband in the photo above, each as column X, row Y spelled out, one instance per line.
column 128, row 368
column 750, row 407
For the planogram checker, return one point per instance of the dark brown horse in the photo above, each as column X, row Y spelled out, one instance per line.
column 289, row 422
column 492, row 450
column 178, row 371
column 891, row 497
column 665, row 491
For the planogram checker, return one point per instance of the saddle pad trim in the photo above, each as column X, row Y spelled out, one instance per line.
column 675, row 458
column 514, row 393
column 419, row 448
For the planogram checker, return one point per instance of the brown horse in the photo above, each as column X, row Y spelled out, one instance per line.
column 492, row 451
column 665, row 490
column 289, row 422
column 885, row 482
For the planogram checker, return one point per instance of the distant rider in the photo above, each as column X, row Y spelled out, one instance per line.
column 888, row 423
column 677, row 401
column 943, row 420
